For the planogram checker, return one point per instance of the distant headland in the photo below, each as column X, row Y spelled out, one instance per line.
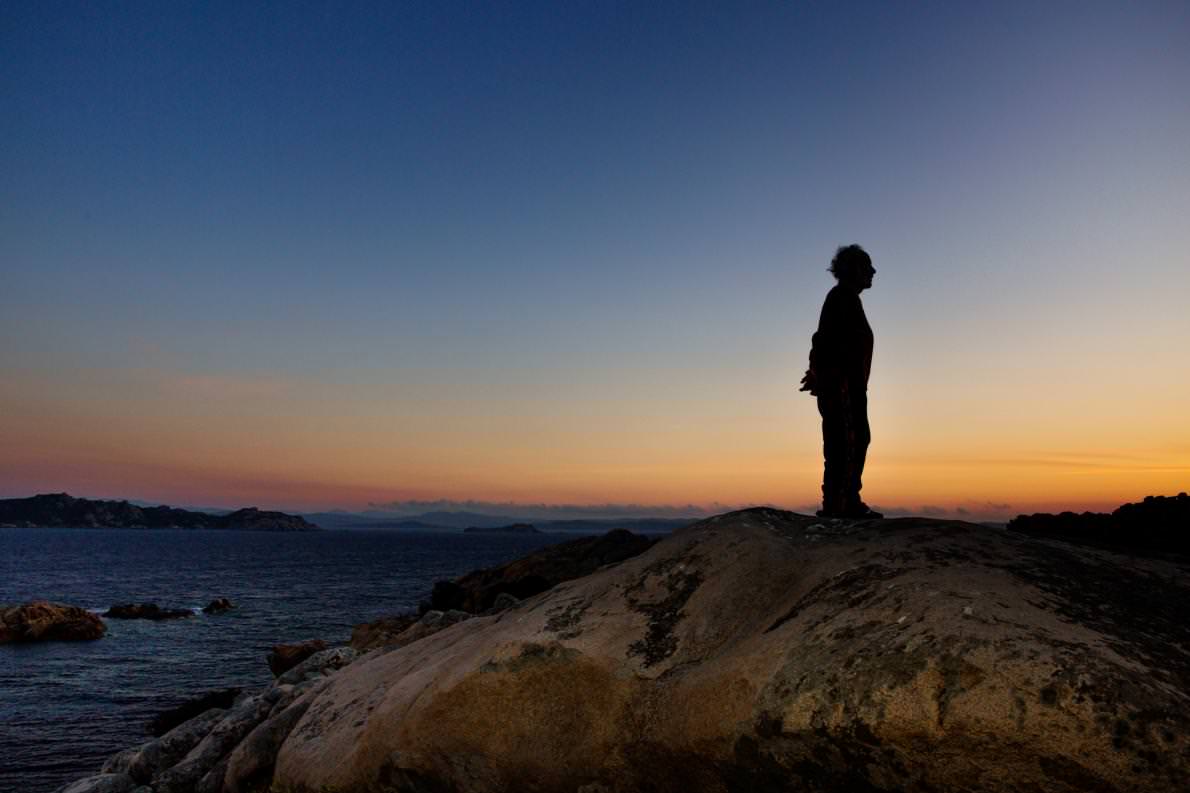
column 513, row 528
column 59, row 510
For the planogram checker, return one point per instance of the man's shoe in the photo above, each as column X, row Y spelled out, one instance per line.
column 861, row 511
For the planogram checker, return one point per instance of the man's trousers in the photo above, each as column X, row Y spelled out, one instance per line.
column 845, row 439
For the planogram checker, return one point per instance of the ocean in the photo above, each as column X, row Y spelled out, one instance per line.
column 66, row 706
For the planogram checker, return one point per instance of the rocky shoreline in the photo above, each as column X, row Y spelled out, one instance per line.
column 758, row 650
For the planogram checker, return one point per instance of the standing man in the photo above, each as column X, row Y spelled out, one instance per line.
column 840, row 362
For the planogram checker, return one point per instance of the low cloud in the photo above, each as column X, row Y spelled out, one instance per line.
column 550, row 511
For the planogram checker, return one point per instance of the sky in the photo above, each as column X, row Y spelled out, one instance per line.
column 309, row 256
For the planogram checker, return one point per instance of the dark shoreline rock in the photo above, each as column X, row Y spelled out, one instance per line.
column 1159, row 525
column 284, row 657
column 145, row 611
column 477, row 591
column 45, row 621
column 168, row 719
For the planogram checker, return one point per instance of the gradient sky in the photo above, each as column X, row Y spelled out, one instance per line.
column 302, row 255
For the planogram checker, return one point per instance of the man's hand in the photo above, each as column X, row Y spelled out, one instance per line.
column 809, row 383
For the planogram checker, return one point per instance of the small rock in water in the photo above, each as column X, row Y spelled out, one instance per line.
column 218, row 606
column 145, row 611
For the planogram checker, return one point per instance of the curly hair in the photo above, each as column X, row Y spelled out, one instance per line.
column 849, row 260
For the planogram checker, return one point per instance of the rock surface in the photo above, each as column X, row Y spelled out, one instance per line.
column 101, row 783
column 45, row 621
column 286, row 656
column 145, row 611
column 763, row 650
column 318, row 665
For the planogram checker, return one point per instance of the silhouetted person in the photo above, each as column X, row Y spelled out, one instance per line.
column 840, row 362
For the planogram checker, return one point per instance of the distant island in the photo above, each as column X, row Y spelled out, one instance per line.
column 59, row 510
column 512, row 528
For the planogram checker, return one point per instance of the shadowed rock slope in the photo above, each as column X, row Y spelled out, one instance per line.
column 763, row 650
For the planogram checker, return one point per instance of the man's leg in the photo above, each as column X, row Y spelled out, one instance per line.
column 833, row 409
column 860, row 436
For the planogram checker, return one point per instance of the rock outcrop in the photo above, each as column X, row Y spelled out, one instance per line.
column 284, row 657
column 45, row 621
column 145, row 611
column 165, row 721
column 763, row 650
column 222, row 749
column 477, row 591
column 1158, row 525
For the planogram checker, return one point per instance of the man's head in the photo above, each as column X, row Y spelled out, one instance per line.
column 852, row 266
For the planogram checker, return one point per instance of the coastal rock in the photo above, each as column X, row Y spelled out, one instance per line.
column 157, row 755
column 763, row 650
column 119, row 763
column 380, row 633
column 218, row 606
column 250, row 765
column 477, row 591
column 199, row 761
column 286, row 656
column 212, row 781
column 101, row 783
column 45, row 621
column 167, row 720
column 318, row 665
column 505, row 600
column 145, row 611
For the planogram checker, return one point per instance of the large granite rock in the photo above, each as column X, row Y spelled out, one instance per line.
column 45, row 621
column 763, row 650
